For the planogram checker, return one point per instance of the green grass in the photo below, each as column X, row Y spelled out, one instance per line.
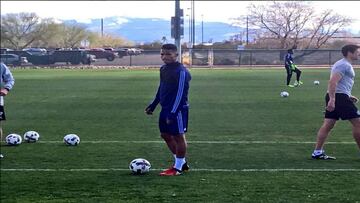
column 226, row 105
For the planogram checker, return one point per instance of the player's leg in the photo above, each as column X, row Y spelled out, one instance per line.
column 180, row 138
column 170, row 142
column 322, row 135
column 164, row 133
column 298, row 74
column 177, row 129
column 1, row 134
column 2, row 118
column 356, row 130
column 351, row 113
column 288, row 76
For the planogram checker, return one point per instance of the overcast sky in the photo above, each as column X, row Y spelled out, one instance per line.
column 212, row 11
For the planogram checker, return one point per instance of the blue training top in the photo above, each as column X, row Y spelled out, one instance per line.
column 173, row 90
column 288, row 60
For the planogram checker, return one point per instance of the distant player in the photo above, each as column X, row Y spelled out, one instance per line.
column 290, row 68
column 7, row 82
column 339, row 101
column 172, row 95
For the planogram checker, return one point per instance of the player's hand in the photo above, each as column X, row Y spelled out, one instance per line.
column 331, row 105
column 3, row 92
column 354, row 99
column 148, row 111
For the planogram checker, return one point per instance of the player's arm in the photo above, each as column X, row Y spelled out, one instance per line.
column 334, row 79
column 8, row 80
column 179, row 97
column 150, row 109
column 289, row 59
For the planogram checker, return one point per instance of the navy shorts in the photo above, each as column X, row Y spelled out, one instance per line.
column 344, row 108
column 179, row 125
column 2, row 113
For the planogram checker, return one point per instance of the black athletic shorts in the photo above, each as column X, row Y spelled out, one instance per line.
column 2, row 113
column 344, row 108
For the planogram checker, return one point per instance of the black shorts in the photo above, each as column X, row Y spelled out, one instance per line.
column 344, row 108
column 2, row 113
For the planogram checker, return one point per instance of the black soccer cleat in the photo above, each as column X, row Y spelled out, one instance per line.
column 185, row 167
column 323, row 157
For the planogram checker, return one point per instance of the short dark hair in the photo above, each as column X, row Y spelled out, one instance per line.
column 169, row 47
column 290, row 51
column 349, row 48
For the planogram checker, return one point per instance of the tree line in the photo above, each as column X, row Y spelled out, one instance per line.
column 21, row 30
column 274, row 25
column 291, row 24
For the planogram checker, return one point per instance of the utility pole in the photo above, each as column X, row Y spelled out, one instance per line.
column 193, row 22
column 202, row 29
column 247, row 30
column 177, row 27
column 102, row 27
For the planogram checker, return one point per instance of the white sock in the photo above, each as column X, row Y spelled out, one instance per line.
column 179, row 163
column 318, row 152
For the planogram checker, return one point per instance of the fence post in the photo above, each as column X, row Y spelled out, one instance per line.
column 130, row 60
column 239, row 58
column 329, row 58
column 251, row 58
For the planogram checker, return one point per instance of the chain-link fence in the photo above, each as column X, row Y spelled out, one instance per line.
column 234, row 58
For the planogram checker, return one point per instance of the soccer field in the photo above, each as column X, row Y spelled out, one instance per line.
column 246, row 143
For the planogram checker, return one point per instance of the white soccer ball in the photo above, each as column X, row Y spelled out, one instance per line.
column 139, row 166
column 72, row 140
column 31, row 136
column 284, row 94
column 316, row 82
column 13, row 139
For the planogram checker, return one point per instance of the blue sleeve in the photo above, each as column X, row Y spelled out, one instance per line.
column 180, row 92
column 156, row 100
column 6, row 77
column 288, row 59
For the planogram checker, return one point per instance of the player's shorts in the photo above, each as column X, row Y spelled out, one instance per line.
column 344, row 108
column 178, row 126
column 2, row 113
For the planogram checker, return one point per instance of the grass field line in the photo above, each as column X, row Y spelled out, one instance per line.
column 196, row 142
column 195, row 170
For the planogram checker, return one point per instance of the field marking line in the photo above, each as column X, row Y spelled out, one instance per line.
column 195, row 142
column 195, row 170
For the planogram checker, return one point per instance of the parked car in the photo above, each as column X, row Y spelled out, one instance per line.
column 121, row 52
column 13, row 59
column 134, row 51
column 36, row 51
column 102, row 54
column 4, row 50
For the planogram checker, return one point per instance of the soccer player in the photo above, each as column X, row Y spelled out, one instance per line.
column 290, row 68
column 7, row 82
column 172, row 94
column 339, row 101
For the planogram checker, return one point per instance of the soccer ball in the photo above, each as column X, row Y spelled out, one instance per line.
column 13, row 139
column 316, row 82
column 31, row 136
column 284, row 94
column 72, row 140
column 139, row 166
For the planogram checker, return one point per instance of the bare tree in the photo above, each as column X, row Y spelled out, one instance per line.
column 293, row 24
column 21, row 30
column 72, row 35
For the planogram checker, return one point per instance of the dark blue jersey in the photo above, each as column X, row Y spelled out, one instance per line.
column 173, row 90
column 288, row 59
